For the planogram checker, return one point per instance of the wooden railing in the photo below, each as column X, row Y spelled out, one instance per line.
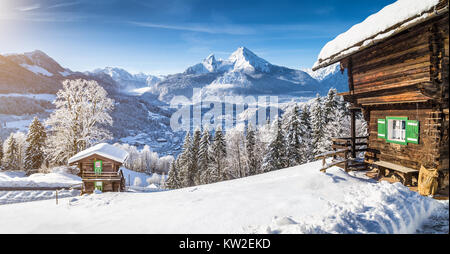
column 102, row 175
column 342, row 152
column 344, row 148
column 346, row 142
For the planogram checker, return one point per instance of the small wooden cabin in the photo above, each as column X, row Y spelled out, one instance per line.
column 398, row 78
column 100, row 168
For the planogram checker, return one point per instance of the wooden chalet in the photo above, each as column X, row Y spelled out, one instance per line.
column 398, row 78
column 100, row 168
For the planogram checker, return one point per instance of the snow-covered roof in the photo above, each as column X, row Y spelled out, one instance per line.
column 389, row 21
column 102, row 149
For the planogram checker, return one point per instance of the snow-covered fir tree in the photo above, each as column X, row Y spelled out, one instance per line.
column 193, row 176
column 11, row 154
column 204, row 158
column 293, row 139
column 34, row 153
column 275, row 157
column 338, row 124
column 184, row 162
column 162, row 182
column 236, row 167
column 1, row 152
column 331, row 104
column 251, row 151
column 318, row 126
column 306, row 135
column 79, row 121
column 173, row 180
column 218, row 156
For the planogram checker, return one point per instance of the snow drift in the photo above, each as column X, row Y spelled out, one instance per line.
column 293, row 200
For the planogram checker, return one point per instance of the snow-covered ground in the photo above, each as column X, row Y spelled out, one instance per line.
column 57, row 178
column 42, row 96
column 293, row 200
column 11, row 197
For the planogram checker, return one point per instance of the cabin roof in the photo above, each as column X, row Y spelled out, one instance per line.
column 102, row 149
column 389, row 21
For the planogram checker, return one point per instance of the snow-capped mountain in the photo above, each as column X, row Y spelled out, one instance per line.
column 126, row 80
column 330, row 76
column 39, row 63
column 243, row 73
column 141, row 115
column 32, row 72
column 29, row 82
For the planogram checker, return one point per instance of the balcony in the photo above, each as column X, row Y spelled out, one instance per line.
column 108, row 176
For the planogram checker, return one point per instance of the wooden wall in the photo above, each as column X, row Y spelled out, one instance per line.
column 410, row 155
column 407, row 76
column 401, row 68
column 87, row 164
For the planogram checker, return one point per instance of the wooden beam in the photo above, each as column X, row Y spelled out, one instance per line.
column 353, row 133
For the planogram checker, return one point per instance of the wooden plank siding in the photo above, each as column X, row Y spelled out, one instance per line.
column 110, row 167
column 410, row 155
column 406, row 76
column 87, row 164
column 402, row 67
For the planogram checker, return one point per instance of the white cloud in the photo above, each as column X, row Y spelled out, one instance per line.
column 202, row 28
column 29, row 7
column 63, row 4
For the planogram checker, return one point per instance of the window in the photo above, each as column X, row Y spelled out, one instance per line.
column 98, row 186
column 399, row 130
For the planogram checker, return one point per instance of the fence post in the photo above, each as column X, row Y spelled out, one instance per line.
column 56, row 196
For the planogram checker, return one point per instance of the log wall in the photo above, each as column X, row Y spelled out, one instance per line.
column 407, row 76
column 401, row 68
column 410, row 155
column 87, row 164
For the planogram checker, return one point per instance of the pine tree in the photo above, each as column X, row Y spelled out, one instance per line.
column 218, row 156
column 194, row 155
column 339, row 124
column 184, row 161
column 173, row 180
column 293, row 139
column 318, row 126
column 250, row 145
column 1, row 152
column 236, row 155
column 34, row 153
column 275, row 158
column 330, row 105
column 162, row 183
column 11, row 154
column 306, row 135
column 204, row 158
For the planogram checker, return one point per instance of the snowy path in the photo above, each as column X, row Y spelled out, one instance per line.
column 438, row 222
column 294, row 200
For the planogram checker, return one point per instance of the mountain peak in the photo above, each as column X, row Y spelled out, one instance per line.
column 245, row 59
column 211, row 57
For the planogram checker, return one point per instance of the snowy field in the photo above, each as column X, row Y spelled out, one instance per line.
column 294, row 200
column 11, row 197
column 57, row 178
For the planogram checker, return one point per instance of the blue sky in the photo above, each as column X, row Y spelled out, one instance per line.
column 166, row 36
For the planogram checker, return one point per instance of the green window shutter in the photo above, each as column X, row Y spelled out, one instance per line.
column 412, row 131
column 98, row 166
column 382, row 128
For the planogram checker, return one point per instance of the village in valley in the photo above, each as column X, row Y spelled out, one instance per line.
column 358, row 144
